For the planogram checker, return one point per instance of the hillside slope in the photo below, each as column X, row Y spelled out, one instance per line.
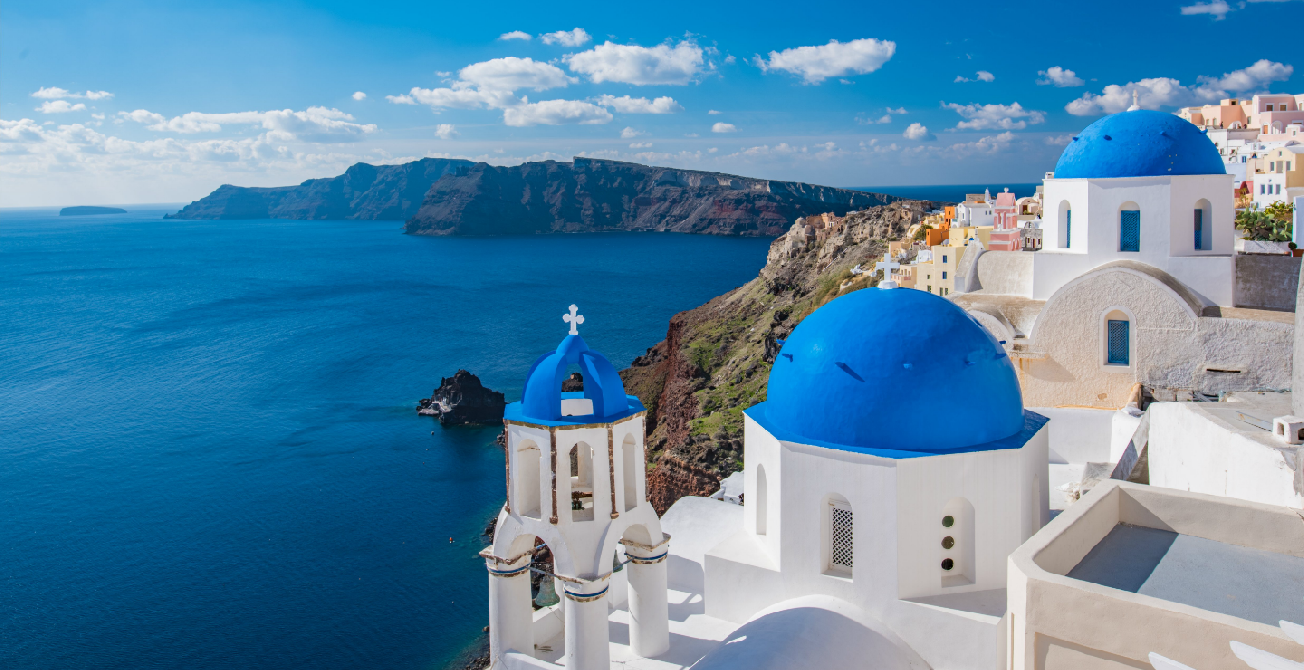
column 715, row 360
column 602, row 195
column 364, row 191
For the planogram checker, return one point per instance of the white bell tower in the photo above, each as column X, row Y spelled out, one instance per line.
column 576, row 482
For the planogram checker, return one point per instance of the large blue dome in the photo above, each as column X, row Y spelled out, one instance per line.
column 893, row 369
column 1140, row 143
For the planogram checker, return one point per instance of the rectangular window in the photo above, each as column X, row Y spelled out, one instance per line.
column 1269, row 108
column 943, row 274
column 1272, row 166
column 841, row 536
column 1288, row 166
column 1129, row 230
column 943, row 260
column 1118, row 342
column 1068, row 228
column 1199, row 228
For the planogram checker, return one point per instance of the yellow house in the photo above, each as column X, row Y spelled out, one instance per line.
column 959, row 235
column 938, row 276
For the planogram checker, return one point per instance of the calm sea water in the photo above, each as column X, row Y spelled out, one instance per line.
column 209, row 454
column 952, row 192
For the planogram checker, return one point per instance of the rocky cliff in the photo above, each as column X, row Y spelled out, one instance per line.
column 364, row 191
column 716, row 358
column 601, row 195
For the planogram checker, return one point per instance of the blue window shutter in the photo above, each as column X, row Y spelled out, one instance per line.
column 1199, row 228
column 1068, row 228
column 943, row 274
column 1129, row 230
column 1118, row 342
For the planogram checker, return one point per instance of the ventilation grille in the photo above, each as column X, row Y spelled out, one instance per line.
column 842, row 527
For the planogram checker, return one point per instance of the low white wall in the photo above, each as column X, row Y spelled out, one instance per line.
column 695, row 525
column 1079, row 435
column 549, row 622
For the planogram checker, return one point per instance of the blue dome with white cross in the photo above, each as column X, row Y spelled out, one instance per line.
column 603, row 400
column 892, row 369
column 1139, row 143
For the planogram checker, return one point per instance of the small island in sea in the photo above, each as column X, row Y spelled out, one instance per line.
column 87, row 210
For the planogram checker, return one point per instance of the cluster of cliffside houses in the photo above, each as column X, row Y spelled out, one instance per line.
column 1108, row 472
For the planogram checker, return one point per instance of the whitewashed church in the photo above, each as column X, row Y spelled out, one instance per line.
column 860, row 533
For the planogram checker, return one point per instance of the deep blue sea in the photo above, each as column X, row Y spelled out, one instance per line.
column 952, row 192
column 209, row 452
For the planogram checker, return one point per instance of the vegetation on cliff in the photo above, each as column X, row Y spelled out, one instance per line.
column 716, row 358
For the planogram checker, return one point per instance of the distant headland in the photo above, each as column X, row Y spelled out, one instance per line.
column 87, row 210
column 436, row 196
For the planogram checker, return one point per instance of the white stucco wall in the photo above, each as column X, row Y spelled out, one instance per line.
column 1167, row 206
column 1206, row 448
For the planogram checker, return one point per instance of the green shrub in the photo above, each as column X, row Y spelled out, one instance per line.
column 1263, row 226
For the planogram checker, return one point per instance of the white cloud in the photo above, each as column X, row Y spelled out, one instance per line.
column 712, row 150
column 815, row 64
column 712, row 111
column 315, row 124
column 918, row 131
column 1217, row 9
column 1058, row 77
column 55, row 93
column 555, row 112
column 511, row 73
column 445, row 131
column 982, row 75
column 640, row 145
column 59, row 107
column 629, row 133
column 567, row 38
column 50, row 93
column 515, row 35
column 898, row 110
column 886, row 118
column 460, row 96
column 627, row 105
column 359, row 95
column 1159, row 92
column 995, row 117
column 991, row 144
column 1256, row 76
column 724, row 128
column 640, row 66
column 1058, row 140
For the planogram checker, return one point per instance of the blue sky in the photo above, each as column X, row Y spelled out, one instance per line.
column 128, row 102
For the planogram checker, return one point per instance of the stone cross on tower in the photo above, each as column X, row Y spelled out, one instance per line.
column 574, row 319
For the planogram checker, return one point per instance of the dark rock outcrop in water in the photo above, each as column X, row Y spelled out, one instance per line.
column 364, row 191
column 86, row 210
column 461, row 400
column 602, row 195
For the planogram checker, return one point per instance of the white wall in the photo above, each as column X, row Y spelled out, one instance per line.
column 1078, row 435
column 1167, row 206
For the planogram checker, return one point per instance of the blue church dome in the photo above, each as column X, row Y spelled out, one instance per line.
column 896, row 369
column 541, row 400
column 1140, row 143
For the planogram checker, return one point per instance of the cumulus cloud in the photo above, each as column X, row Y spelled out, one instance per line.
column 724, row 128
column 898, row 110
column 566, row 38
column 511, row 73
column 641, row 66
column 315, row 124
column 1159, row 92
column 712, row 111
column 640, row 145
column 55, row 93
column 555, row 112
column 629, row 133
column 918, row 131
column 995, row 117
column 628, row 105
column 1058, row 77
column 815, row 64
column 59, row 107
column 359, row 95
column 445, row 131
column 982, row 75
column 515, row 35
column 1058, row 140
column 1217, row 9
